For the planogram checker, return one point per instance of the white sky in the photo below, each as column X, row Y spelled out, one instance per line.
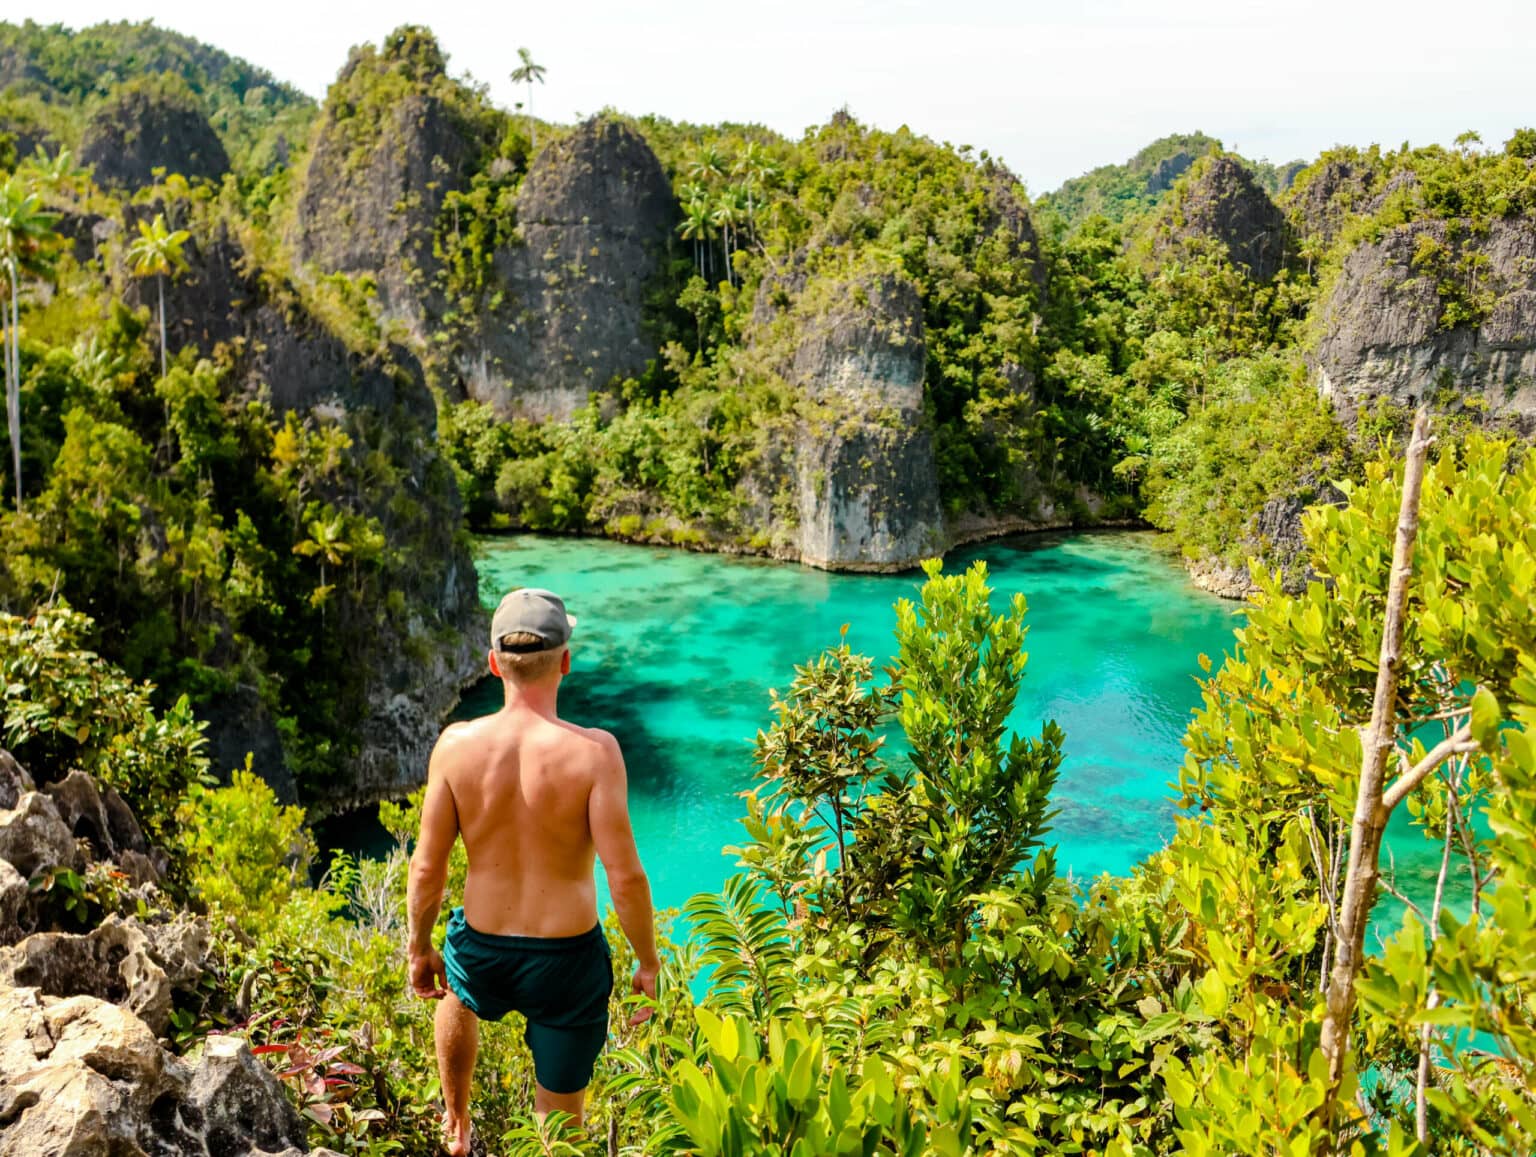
column 1054, row 89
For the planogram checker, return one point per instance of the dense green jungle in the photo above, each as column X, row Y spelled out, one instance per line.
column 269, row 364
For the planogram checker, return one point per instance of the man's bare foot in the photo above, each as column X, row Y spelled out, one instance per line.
column 457, row 1136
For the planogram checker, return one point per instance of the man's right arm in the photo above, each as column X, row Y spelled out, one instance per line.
column 608, row 814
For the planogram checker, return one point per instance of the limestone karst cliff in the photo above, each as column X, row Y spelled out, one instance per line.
column 1435, row 312
column 595, row 219
column 1220, row 200
column 151, row 123
column 864, row 477
column 395, row 137
column 276, row 347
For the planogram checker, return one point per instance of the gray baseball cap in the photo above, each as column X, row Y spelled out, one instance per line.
column 535, row 612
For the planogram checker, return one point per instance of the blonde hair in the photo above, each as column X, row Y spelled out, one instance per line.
column 527, row 666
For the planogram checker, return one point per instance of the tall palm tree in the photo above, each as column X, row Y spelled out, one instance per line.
column 24, row 233
column 157, row 253
column 328, row 540
column 757, row 171
column 527, row 73
column 707, row 164
column 695, row 227
column 729, row 211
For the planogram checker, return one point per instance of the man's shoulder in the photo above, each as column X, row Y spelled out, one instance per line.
column 594, row 739
column 459, row 737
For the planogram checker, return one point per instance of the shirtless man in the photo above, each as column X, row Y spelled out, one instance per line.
column 534, row 797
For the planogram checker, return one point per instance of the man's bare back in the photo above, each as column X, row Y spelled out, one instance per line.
column 525, row 788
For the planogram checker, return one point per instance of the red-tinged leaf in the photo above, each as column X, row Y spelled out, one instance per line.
column 347, row 1067
column 292, row 1071
column 263, row 1050
column 321, row 1114
column 329, row 1054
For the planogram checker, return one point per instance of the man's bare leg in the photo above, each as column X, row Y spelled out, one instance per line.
column 457, row 1031
column 545, row 1103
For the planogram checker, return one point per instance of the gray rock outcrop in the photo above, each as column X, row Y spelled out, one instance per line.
column 82, row 1073
column 81, row 1077
column 279, row 348
column 1335, row 189
column 156, row 123
column 380, row 167
column 33, row 836
column 864, row 476
column 114, row 961
column 65, row 825
column 595, row 216
column 1383, row 326
column 1220, row 200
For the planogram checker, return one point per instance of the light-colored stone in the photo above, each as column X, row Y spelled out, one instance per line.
column 34, row 837
column 1220, row 578
column 13, row 894
column 64, row 1110
column 108, row 1039
column 83, row 1078
column 240, row 1101
column 24, row 1037
column 113, row 960
column 1383, row 335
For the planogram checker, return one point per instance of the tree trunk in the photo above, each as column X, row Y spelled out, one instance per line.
column 160, row 278
column 13, row 385
column 1426, row 1033
column 1370, row 818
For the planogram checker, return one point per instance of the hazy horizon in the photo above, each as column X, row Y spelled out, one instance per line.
column 1052, row 93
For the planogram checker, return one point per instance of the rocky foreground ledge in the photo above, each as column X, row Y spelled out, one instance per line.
column 84, row 1069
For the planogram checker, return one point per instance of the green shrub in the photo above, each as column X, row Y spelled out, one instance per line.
column 62, row 707
column 246, row 854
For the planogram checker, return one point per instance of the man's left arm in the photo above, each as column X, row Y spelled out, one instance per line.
column 429, row 876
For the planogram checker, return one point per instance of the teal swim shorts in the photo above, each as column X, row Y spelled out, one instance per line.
column 561, row 984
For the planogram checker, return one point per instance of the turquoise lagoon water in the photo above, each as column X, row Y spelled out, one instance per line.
column 675, row 654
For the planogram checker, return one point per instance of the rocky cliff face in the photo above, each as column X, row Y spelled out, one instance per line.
column 1338, row 187
column 278, row 348
column 396, row 136
column 1383, row 325
column 1222, row 201
column 595, row 217
column 148, row 125
column 82, row 1071
column 861, row 464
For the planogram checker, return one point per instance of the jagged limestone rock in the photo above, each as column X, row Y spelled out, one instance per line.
column 80, row 1077
column 1384, row 332
column 34, row 837
column 395, row 137
column 240, row 1102
column 14, row 780
column 97, row 815
column 1220, row 200
column 259, row 323
column 13, row 895
column 1338, row 187
column 152, row 123
column 863, row 471
column 595, row 218
column 115, row 960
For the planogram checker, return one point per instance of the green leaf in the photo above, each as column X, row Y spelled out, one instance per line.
column 1485, row 718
